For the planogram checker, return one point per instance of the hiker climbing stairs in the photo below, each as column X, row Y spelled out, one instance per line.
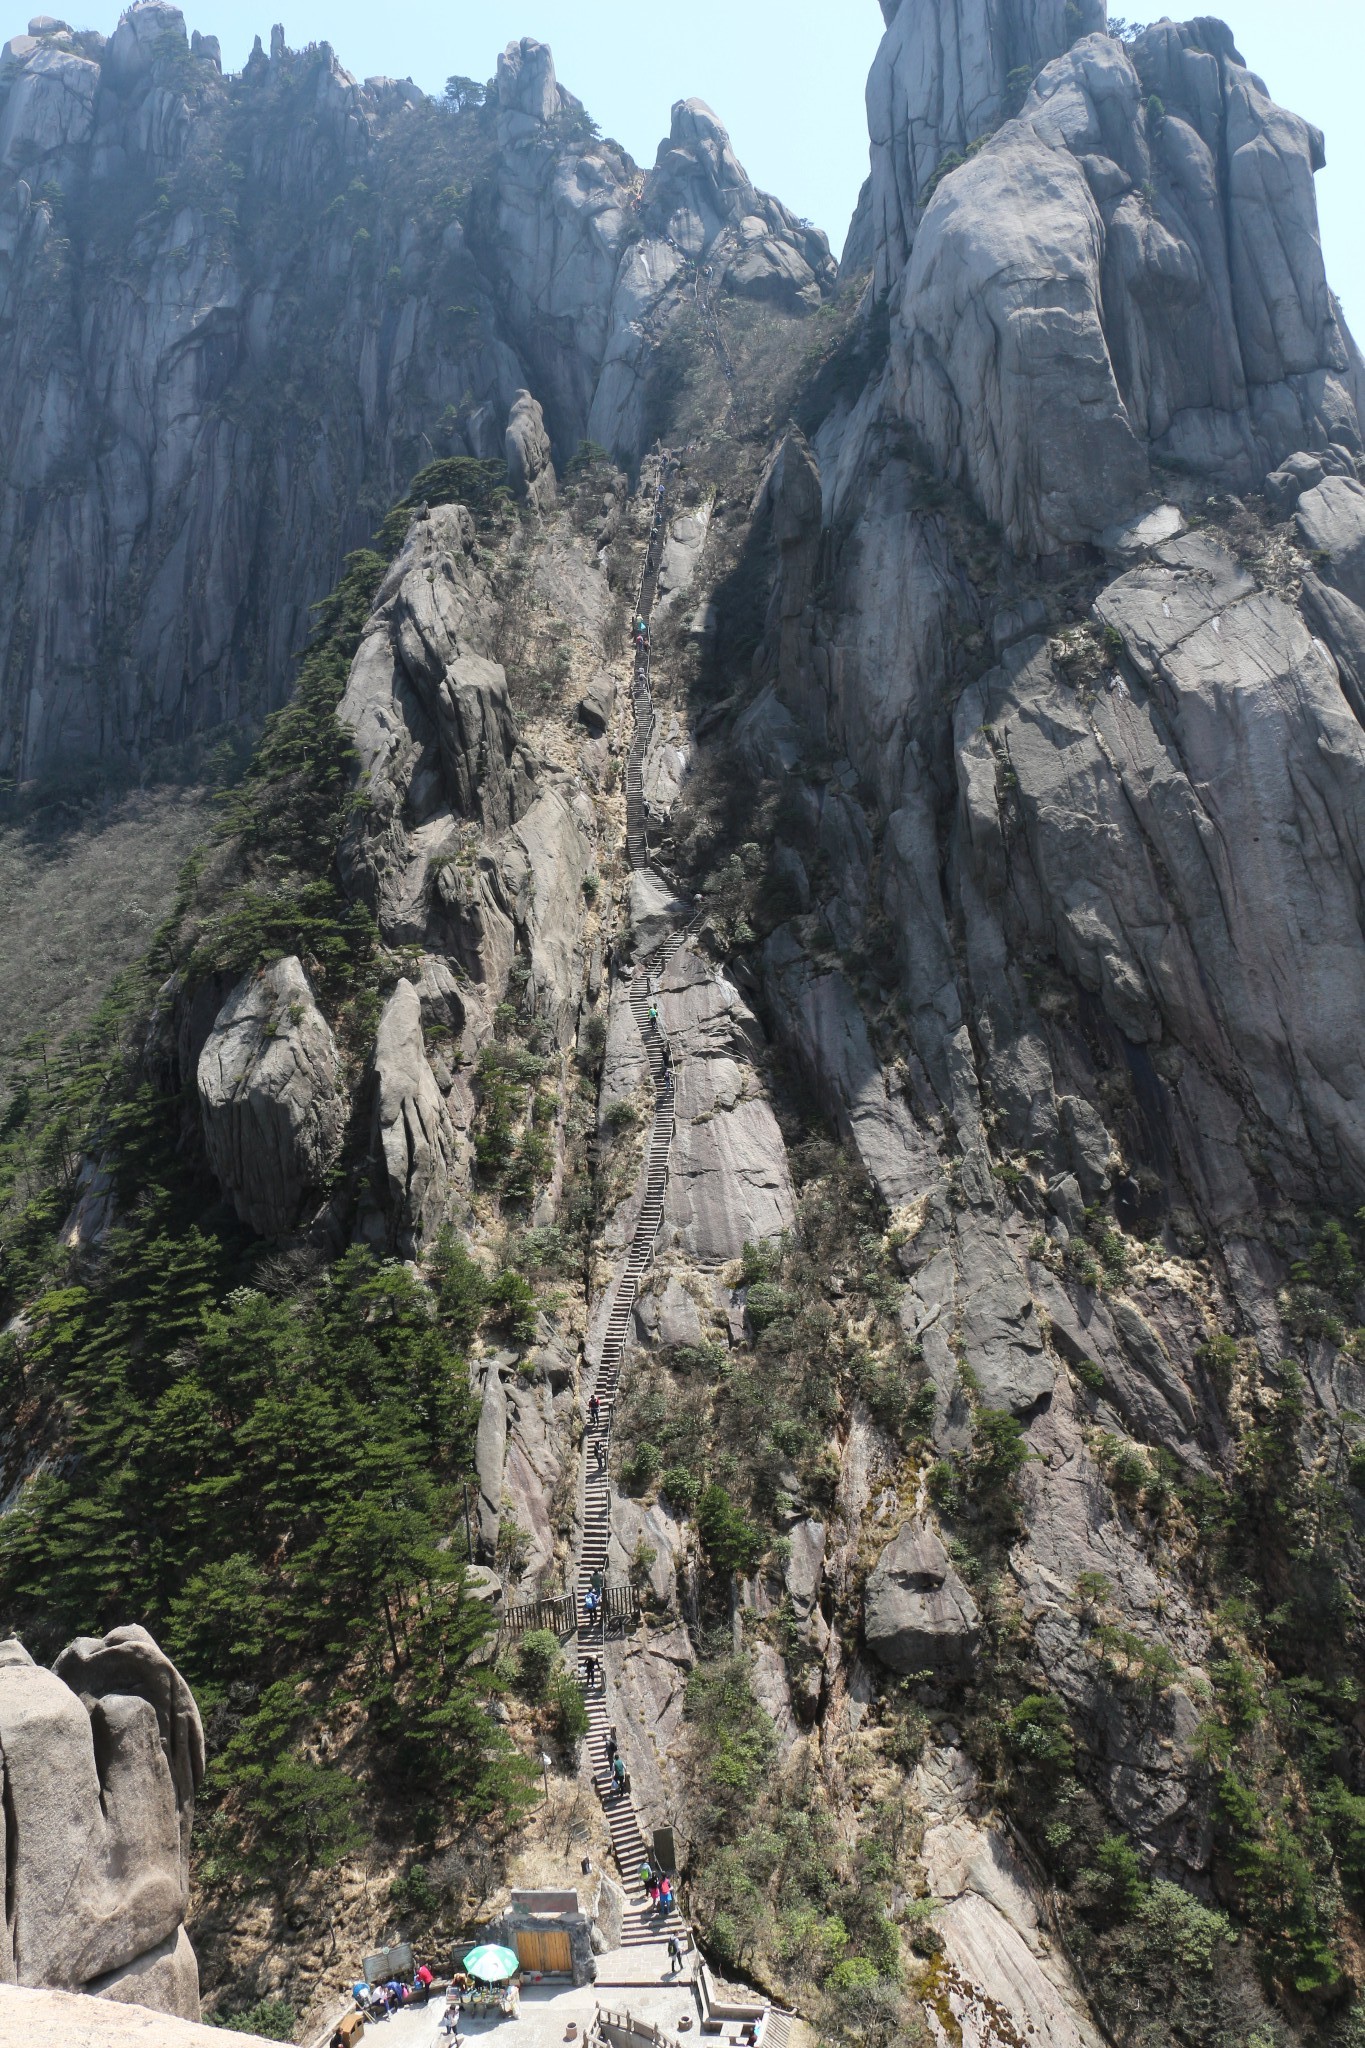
column 643, row 1923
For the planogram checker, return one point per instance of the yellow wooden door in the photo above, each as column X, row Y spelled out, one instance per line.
column 546, row 1950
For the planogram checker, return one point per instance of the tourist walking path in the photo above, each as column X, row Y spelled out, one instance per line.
column 644, row 1924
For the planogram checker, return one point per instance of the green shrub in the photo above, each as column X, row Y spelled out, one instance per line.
column 1218, row 1356
column 592, row 1042
column 642, row 1468
column 1183, row 1928
column 528, row 1169
column 1276, row 1889
column 413, row 1892
column 854, row 1973
column 1118, row 1876
column 766, row 1303
column 571, row 1712
column 1038, row 1738
column 733, row 1740
column 538, row 1662
column 513, row 1308
column 274, row 2019
column 620, row 1116
column 1129, row 1471
column 588, row 455
column 681, row 1486
column 999, row 1450
column 731, row 1543
column 761, row 1260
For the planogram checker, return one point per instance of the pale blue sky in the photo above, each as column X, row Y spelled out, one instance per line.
column 786, row 77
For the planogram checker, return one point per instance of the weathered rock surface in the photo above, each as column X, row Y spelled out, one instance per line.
column 1092, row 288
column 28, row 2015
column 700, row 196
column 917, row 1614
column 822, row 1019
column 1176, row 883
column 464, row 843
column 412, row 1131
column 100, row 1760
column 1331, row 520
column 527, row 448
column 270, row 1098
column 943, row 77
column 728, row 1174
column 139, row 446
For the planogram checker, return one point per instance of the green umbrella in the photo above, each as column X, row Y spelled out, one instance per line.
column 491, row 1963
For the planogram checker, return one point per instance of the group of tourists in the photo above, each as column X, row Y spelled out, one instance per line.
column 616, row 1764
column 378, row 2001
column 660, row 1889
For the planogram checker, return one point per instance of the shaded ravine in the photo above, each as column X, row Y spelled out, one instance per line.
column 642, row 1925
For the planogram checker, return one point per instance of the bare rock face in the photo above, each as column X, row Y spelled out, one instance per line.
column 227, row 532
column 270, row 1097
column 413, row 1138
column 699, row 192
column 1101, row 284
column 100, row 1759
column 917, row 1614
column 942, row 77
column 1331, row 520
column 1167, row 836
column 729, row 1180
column 527, row 448
column 28, row 2015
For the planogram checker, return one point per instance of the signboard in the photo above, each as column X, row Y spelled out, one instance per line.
column 388, row 1962
column 665, row 1856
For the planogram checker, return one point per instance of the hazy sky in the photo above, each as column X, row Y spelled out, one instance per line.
column 786, row 77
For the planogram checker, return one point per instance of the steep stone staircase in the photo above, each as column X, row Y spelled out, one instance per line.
column 643, row 1924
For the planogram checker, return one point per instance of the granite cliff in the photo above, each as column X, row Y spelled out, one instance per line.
column 978, row 1280
column 240, row 313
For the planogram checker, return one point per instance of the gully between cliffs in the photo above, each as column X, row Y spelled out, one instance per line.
column 643, row 1924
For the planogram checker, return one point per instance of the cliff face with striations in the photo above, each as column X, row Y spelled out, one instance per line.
column 241, row 312
column 893, row 1027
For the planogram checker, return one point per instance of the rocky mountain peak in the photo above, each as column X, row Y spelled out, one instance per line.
column 527, row 88
column 774, row 1020
column 946, row 73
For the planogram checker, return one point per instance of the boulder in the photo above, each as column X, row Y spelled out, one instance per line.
column 527, row 448
column 1331, row 520
column 413, row 1141
column 699, row 192
column 1002, row 322
column 100, row 1759
column 271, row 1099
column 1295, row 475
column 596, row 705
column 526, row 84
column 917, row 1614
